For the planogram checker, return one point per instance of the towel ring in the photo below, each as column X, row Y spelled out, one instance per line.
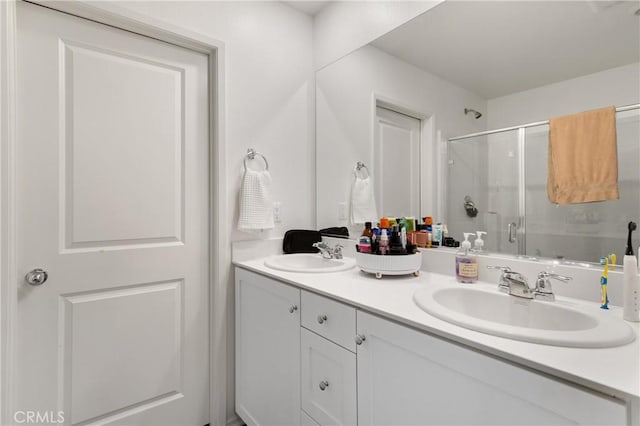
column 251, row 155
column 359, row 167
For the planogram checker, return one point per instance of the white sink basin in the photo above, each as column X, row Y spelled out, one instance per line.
column 308, row 262
column 560, row 323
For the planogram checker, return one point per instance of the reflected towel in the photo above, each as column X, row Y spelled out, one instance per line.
column 256, row 206
column 363, row 204
column 583, row 157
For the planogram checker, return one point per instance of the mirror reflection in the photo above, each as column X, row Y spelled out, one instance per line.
column 510, row 195
column 468, row 67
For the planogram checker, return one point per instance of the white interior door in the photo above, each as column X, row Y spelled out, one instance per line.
column 112, row 202
column 397, row 163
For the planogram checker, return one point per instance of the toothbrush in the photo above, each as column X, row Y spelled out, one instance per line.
column 603, row 284
column 631, row 227
column 631, row 281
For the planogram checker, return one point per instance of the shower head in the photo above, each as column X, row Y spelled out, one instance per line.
column 475, row 113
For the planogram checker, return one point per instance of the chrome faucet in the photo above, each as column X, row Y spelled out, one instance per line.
column 513, row 283
column 327, row 251
column 516, row 284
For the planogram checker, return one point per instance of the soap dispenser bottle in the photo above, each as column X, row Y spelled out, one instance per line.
column 478, row 244
column 466, row 262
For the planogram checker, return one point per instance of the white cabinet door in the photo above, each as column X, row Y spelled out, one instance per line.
column 267, row 350
column 407, row 377
column 112, row 196
column 328, row 381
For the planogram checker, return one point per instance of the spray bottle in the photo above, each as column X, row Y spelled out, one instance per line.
column 466, row 262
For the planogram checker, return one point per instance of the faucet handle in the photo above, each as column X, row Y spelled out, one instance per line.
column 544, row 275
column 543, row 288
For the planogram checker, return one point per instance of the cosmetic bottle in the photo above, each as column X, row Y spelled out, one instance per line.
column 421, row 236
column 395, row 244
column 364, row 245
column 437, row 234
column 383, row 245
column 403, row 238
column 367, row 230
column 466, row 262
column 411, row 224
column 375, row 240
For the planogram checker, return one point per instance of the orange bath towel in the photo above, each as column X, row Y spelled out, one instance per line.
column 583, row 157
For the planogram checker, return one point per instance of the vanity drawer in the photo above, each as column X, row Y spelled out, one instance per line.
column 333, row 320
column 328, row 381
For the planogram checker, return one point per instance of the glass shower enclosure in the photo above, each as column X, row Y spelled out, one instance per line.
column 503, row 174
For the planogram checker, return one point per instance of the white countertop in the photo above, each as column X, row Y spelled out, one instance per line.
column 613, row 371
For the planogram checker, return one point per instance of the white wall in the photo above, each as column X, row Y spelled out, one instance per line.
column 345, row 117
column 269, row 92
column 344, row 26
column 616, row 86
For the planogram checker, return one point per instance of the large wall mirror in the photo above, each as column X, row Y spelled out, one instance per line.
column 404, row 105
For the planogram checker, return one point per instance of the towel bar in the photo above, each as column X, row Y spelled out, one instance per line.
column 251, row 155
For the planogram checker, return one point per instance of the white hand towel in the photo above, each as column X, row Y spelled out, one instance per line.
column 363, row 204
column 256, row 206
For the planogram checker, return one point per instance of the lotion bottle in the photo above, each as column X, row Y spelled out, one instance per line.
column 466, row 262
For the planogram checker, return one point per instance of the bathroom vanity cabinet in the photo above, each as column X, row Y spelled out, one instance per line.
column 302, row 358
column 407, row 377
column 267, row 350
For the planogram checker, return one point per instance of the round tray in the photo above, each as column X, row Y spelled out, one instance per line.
column 389, row 264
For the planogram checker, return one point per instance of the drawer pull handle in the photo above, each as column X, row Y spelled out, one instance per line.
column 323, row 385
column 360, row 338
column 293, row 308
column 322, row 319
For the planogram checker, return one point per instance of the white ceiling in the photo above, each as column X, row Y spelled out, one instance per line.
column 311, row 8
column 495, row 48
